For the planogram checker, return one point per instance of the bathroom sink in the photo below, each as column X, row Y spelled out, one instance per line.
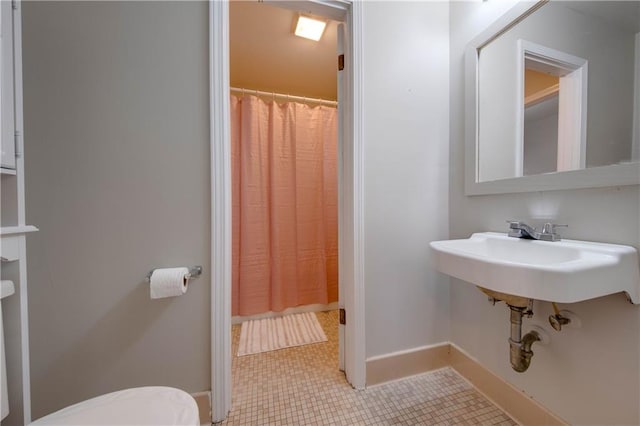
column 564, row 271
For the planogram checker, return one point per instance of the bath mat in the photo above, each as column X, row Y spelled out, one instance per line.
column 270, row 334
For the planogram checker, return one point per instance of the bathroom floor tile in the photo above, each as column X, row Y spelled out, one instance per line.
column 303, row 386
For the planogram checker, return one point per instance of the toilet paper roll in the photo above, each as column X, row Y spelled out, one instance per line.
column 169, row 282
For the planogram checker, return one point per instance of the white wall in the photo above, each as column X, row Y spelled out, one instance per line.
column 117, row 178
column 406, row 80
column 589, row 375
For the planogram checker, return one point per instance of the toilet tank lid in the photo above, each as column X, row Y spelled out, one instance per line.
column 152, row 405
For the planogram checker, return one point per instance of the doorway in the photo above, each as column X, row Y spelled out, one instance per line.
column 552, row 86
column 284, row 164
column 351, row 192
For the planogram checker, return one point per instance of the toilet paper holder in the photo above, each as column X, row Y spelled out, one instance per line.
column 194, row 272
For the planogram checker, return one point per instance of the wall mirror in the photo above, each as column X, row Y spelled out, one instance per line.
column 553, row 98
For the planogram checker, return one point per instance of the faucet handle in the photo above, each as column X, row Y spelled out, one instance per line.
column 550, row 228
column 513, row 224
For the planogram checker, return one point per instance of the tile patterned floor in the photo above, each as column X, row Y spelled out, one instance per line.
column 302, row 386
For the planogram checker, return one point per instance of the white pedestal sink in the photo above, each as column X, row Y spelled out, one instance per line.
column 564, row 271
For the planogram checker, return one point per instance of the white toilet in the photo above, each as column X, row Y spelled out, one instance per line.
column 153, row 405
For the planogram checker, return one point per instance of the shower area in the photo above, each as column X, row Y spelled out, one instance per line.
column 284, row 164
column 284, row 197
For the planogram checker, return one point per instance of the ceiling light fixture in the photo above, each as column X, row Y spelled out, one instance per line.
column 310, row 28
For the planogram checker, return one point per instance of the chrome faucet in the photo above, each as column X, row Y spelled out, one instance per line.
column 519, row 229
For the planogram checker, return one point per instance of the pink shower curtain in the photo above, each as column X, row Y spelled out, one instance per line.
column 285, row 212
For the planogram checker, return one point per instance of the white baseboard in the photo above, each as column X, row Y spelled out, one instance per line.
column 524, row 409
column 521, row 407
column 203, row 399
column 318, row 307
column 398, row 365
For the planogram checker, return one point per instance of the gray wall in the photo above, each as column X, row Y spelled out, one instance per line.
column 406, row 117
column 117, row 177
column 589, row 375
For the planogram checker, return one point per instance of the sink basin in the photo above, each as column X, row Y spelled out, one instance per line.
column 564, row 271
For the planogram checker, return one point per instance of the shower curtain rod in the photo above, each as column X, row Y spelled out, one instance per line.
column 284, row 96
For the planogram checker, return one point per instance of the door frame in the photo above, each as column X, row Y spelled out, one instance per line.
column 351, row 203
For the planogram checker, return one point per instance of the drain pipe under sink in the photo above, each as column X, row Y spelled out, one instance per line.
column 520, row 347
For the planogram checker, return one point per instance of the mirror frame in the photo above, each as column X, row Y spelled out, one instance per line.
column 592, row 177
